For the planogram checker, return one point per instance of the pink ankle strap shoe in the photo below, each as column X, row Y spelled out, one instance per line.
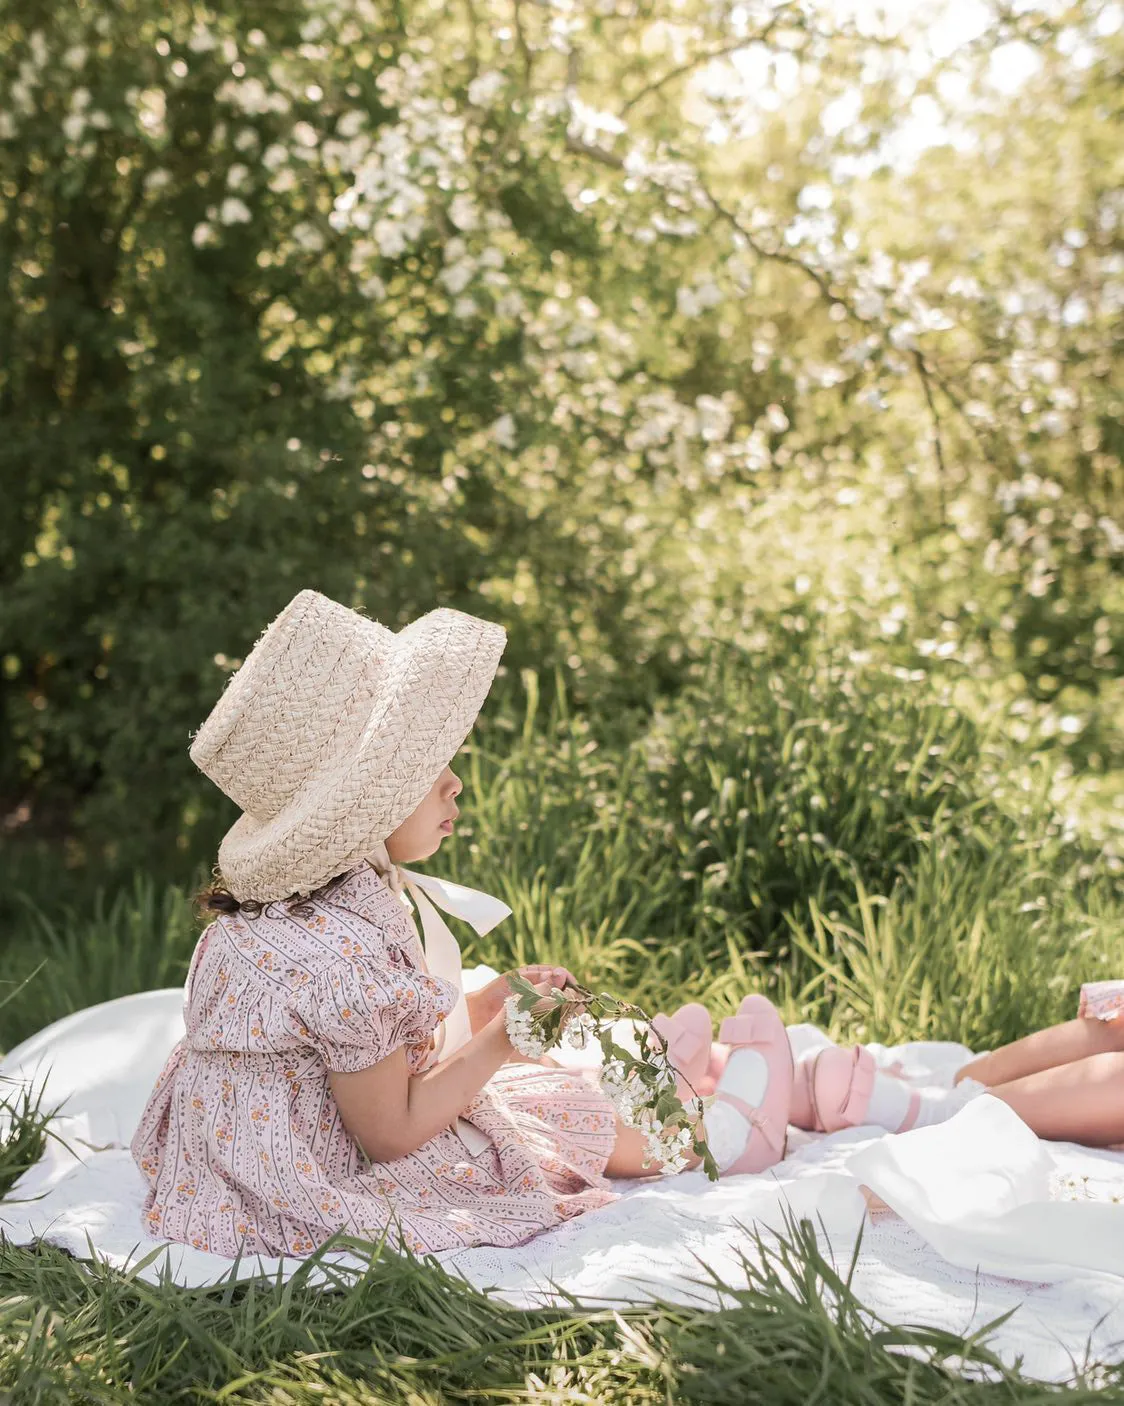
column 832, row 1091
column 758, row 1026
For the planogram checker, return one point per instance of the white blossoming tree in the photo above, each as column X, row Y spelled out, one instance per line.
column 541, row 309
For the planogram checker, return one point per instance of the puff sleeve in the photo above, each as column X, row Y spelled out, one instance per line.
column 355, row 1013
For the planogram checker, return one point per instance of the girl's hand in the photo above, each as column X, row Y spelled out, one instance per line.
column 485, row 1004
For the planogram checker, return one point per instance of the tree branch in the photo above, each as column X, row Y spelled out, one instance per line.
column 779, row 256
column 928, row 375
column 938, row 444
column 760, row 37
column 594, row 153
column 521, row 41
column 473, row 33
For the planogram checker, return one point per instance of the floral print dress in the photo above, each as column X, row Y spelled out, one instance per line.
column 1101, row 1000
column 242, row 1143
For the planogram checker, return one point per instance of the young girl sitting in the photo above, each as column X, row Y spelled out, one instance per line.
column 333, row 1074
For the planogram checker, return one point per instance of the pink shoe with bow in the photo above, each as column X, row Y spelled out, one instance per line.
column 758, row 1026
column 689, row 1039
column 832, row 1091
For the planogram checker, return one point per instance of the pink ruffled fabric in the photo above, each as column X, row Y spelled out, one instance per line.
column 242, row 1142
column 1101, row 1000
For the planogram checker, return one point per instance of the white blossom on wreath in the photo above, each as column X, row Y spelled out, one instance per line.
column 643, row 1088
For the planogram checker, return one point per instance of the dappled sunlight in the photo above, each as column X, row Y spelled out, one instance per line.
column 757, row 368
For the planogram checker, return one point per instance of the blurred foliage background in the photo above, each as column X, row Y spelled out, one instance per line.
column 673, row 334
column 757, row 363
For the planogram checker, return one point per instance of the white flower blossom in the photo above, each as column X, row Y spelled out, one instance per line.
column 250, row 95
column 234, row 211
column 520, row 1030
column 626, row 1091
column 308, row 236
column 691, row 301
column 714, row 418
column 151, row 107
column 464, row 212
column 351, row 123
column 503, row 432
column 587, row 125
column 579, row 1031
column 458, row 276
column 869, row 304
column 22, row 97
column 484, row 88
column 510, row 305
column 390, row 237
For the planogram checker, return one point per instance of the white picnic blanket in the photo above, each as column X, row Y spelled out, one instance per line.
column 988, row 1219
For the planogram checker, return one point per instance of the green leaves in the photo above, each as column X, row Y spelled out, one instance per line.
column 528, row 996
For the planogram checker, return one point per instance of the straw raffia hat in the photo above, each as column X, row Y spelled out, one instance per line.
column 333, row 731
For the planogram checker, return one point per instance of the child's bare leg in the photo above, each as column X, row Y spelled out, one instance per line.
column 627, row 1158
column 1045, row 1049
column 1082, row 1101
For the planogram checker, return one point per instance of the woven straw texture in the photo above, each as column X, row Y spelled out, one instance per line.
column 333, row 731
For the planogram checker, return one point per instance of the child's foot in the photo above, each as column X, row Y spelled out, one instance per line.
column 804, row 1041
column 747, row 1123
column 838, row 1088
column 689, row 1038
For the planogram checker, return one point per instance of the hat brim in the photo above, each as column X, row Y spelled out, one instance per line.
column 436, row 679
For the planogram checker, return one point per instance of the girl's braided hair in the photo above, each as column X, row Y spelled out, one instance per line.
column 215, row 897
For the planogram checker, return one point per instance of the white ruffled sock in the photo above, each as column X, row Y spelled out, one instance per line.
column 889, row 1102
column 746, row 1076
column 938, row 1105
column 889, row 1096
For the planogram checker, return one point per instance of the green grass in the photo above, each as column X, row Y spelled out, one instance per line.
column 406, row 1333
column 820, row 831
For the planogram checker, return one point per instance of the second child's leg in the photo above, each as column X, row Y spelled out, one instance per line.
column 1046, row 1049
column 1082, row 1101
